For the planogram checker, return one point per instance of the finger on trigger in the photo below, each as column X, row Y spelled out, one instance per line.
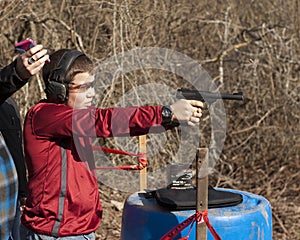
column 192, row 124
column 197, row 103
column 195, row 119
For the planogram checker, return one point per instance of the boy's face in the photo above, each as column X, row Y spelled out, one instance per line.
column 81, row 91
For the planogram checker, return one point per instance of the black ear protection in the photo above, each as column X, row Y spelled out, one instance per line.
column 57, row 88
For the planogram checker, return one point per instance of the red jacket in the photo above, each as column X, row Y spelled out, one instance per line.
column 63, row 197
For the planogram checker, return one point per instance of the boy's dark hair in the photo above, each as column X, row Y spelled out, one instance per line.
column 81, row 64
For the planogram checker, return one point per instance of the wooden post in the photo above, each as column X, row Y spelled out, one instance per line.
column 202, row 189
column 143, row 172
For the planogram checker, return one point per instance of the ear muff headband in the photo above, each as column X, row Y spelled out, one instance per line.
column 57, row 88
column 63, row 66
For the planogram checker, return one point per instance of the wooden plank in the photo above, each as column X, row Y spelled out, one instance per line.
column 202, row 189
column 143, row 172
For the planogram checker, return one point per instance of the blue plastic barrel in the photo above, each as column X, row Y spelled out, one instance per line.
column 144, row 219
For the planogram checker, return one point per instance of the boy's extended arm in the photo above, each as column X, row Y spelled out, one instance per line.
column 59, row 121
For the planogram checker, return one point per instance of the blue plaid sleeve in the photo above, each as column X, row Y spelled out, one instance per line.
column 8, row 190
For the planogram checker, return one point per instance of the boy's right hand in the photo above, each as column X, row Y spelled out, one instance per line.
column 187, row 111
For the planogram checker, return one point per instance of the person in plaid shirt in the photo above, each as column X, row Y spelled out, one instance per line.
column 8, row 190
column 13, row 77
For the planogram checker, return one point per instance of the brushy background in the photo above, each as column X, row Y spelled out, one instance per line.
column 251, row 46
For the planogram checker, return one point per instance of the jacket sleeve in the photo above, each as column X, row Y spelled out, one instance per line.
column 10, row 82
column 58, row 121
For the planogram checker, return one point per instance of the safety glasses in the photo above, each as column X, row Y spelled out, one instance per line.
column 80, row 88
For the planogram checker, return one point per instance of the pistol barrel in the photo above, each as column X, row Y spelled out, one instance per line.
column 207, row 96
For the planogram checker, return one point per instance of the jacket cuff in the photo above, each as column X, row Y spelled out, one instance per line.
column 14, row 72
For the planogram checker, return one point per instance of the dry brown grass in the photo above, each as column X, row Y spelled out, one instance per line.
column 251, row 46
